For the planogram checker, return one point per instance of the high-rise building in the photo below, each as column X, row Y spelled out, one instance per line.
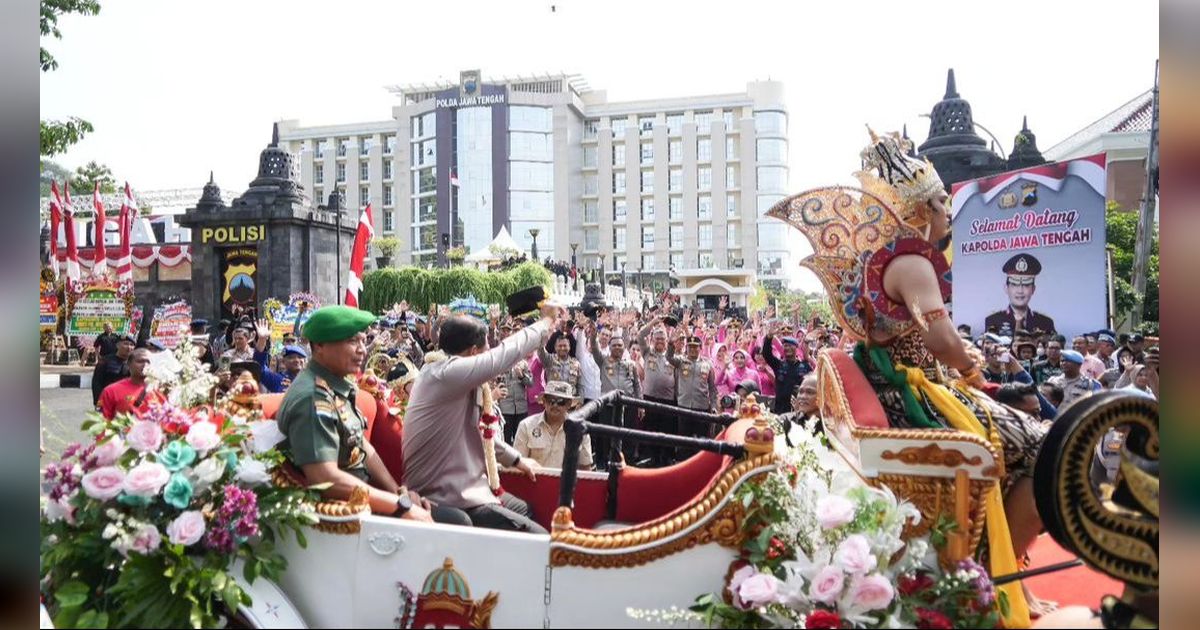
column 672, row 183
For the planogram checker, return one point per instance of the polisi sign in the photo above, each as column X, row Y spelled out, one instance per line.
column 233, row 234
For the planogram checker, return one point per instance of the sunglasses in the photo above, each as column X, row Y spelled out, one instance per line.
column 556, row 402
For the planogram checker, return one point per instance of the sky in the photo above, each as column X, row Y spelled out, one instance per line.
column 176, row 89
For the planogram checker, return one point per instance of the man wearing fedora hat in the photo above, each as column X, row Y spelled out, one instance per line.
column 540, row 437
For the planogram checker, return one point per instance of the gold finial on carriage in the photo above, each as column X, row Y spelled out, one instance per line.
column 760, row 438
column 562, row 519
column 242, row 398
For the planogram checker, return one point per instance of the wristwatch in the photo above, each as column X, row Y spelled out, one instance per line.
column 403, row 505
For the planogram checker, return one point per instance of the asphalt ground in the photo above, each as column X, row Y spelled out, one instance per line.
column 62, row 411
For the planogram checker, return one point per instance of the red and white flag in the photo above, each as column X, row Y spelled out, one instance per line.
column 69, row 228
column 100, row 260
column 453, row 178
column 362, row 240
column 55, row 221
column 125, row 254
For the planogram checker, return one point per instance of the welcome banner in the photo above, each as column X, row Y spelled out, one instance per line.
column 1029, row 249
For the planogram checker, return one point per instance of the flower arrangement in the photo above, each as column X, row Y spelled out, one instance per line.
column 823, row 550
column 141, row 528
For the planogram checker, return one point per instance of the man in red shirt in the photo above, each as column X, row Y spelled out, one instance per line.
column 129, row 395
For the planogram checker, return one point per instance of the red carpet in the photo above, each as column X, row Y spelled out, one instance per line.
column 1078, row 586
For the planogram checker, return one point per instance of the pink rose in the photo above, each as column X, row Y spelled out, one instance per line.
column 827, row 585
column 146, row 539
column 187, row 528
column 146, row 479
column 736, row 580
column 106, row 454
column 203, row 437
column 145, row 436
column 854, row 555
column 103, row 483
column 759, row 590
column 871, row 593
column 834, row 511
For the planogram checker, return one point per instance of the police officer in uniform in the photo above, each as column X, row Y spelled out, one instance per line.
column 696, row 384
column 617, row 372
column 324, row 430
column 1022, row 270
column 559, row 362
column 658, row 384
column 514, row 405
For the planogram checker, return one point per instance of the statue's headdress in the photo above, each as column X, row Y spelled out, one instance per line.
column 907, row 183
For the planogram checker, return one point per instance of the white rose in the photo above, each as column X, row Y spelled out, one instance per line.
column 266, row 435
column 252, row 472
column 208, row 471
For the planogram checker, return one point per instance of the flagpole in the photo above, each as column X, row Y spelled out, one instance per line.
column 1145, row 227
column 337, row 208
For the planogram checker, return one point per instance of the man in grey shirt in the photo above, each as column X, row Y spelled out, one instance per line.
column 658, row 385
column 617, row 372
column 443, row 450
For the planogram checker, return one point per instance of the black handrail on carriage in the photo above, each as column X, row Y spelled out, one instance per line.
column 577, row 425
column 720, row 419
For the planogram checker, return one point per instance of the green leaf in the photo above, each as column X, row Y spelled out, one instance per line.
column 231, row 595
column 73, row 593
column 92, row 619
column 196, row 616
column 251, row 570
column 67, row 617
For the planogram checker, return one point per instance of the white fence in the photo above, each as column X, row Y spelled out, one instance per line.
column 565, row 293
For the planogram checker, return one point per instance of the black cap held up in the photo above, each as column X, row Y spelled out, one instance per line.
column 526, row 300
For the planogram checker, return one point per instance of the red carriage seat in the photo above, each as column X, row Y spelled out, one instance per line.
column 864, row 402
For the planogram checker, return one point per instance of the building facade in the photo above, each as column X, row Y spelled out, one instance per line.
column 1123, row 135
column 641, row 187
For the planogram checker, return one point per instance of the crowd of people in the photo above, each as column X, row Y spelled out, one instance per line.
column 535, row 371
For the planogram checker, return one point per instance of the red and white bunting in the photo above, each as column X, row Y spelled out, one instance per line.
column 362, row 240
column 100, row 257
column 125, row 255
column 72, row 258
column 55, row 220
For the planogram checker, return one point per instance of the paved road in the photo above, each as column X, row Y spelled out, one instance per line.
column 62, row 411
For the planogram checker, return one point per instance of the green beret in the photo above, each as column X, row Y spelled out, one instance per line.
column 335, row 323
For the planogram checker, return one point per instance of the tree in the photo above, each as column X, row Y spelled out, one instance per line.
column 56, row 136
column 53, row 171
column 387, row 245
column 1121, row 238
column 86, row 177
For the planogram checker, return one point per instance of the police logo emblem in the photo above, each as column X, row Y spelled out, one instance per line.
column 1029, row 194
column 1022, row 265
column 1008, row 200
column 537, row 433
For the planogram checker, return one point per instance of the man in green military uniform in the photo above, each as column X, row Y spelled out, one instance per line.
column 324, row 430
column 1021, row 271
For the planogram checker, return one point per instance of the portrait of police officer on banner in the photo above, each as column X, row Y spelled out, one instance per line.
column 1020, row 285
